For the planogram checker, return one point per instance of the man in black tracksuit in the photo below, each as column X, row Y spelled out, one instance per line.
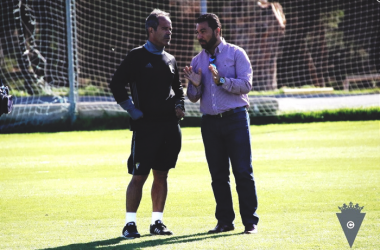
column 156, row 107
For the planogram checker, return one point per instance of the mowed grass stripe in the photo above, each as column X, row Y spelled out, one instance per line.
column 67, row 190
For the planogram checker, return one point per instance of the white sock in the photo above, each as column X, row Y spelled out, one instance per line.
column 157, row 216
column 130, row 217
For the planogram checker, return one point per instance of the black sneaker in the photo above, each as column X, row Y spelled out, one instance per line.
column 158, row 228
column 130, row 231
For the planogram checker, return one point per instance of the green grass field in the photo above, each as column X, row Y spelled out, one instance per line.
column 67, row 190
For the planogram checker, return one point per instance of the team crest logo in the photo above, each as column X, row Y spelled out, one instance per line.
column 350, row 219
column 137, row 165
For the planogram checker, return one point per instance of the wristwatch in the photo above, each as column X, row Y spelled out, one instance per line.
column 222, row 81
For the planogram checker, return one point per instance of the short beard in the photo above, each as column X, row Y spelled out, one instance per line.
column 210, row 43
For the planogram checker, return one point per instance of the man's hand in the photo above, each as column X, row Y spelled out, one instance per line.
column 215, row 74
column 179, row 113
column 194, row 78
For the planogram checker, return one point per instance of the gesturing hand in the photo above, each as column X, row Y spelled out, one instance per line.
column 194, row 78
column 215, row 74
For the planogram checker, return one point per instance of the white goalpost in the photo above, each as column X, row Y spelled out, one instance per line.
column 33, row 61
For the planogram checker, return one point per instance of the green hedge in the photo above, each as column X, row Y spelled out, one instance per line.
column 122, row 121
column 356, row 114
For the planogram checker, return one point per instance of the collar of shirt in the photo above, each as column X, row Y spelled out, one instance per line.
column 153, row 49
column 218, row 48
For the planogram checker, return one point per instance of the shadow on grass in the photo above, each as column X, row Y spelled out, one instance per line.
column 150, row 241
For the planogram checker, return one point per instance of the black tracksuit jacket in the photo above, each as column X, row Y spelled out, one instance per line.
column 154, row 83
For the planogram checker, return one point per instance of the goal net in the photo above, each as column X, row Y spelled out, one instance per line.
column 305, row 55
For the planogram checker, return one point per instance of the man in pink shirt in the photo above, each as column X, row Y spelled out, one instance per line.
column 221, row 77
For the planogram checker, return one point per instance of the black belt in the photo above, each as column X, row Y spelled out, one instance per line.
column 229, row 112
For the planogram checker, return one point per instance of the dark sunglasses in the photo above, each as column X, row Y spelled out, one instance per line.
column 212, row 60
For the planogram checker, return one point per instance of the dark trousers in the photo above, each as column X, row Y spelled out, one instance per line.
column 228, row 139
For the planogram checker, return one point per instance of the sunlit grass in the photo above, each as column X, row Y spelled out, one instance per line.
column 67, row 190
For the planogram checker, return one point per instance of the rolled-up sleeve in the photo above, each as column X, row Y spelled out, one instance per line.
column 242, row 83
column 194, row 93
